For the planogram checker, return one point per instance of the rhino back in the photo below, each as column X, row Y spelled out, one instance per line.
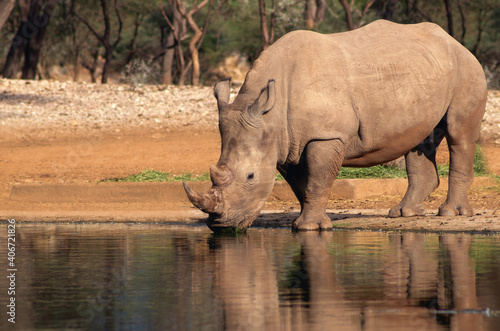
column 368, row 87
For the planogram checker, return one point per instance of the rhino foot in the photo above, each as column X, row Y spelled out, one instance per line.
column 451, row 210
column 405, row 211
column 316, row 223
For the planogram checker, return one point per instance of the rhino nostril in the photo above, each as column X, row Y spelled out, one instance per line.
column 251, row 176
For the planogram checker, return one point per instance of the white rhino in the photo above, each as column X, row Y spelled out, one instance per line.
column 312, row 103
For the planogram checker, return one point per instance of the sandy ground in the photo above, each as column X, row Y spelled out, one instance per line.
column 85, row 153
column 72, row 158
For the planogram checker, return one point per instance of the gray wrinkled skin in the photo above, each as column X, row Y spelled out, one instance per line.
column 313, row 103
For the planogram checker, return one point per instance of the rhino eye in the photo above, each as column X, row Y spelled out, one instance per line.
column 251, row 176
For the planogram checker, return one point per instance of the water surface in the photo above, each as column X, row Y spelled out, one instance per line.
column 152, row 277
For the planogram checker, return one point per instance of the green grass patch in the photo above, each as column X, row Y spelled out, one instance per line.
column 151, row 175
column 379, row 171
column 480, row 164
column 337, row 225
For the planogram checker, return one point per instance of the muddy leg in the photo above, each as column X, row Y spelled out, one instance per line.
column 422, row 176
column 322, row 163
column 460, row 178
column 463, row 123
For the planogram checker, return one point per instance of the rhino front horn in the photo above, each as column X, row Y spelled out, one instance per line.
column 208, row 202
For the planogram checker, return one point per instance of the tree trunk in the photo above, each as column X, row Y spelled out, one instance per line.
column 348, row 14
column 179, row 31
column 182, row 64
column 449, row 17
column 108, row 57
column 14, row 56
column 131, row 47
column 193, row 49
column 170, row 41
column 92, row 66
column 462, row 20
column 314, row 12
column 76, row 64
column 320, row 11
column 5, row 9
column 264, row 32
column 475, row 49
column 390, row 8
column 167, row 61
column 105, row 38
column 40, row 13
column 310, row 13
column 19, row 42
column 193, row 43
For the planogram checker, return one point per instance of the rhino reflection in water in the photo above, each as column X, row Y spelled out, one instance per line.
column 312, row 103
column 321, row 291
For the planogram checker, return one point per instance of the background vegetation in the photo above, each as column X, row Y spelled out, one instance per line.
column 184, row 41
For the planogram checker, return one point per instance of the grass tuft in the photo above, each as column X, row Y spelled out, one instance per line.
column 151, row 175
column 379, row 171
column 480, row 163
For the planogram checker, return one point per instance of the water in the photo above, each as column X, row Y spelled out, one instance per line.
column 152, row 277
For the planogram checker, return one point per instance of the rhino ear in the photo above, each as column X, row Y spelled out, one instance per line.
column 222, row 91
column 265, row 101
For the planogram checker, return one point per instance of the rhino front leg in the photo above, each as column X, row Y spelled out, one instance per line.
column 312, row 185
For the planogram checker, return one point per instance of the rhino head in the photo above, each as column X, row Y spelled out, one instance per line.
column 244, row 175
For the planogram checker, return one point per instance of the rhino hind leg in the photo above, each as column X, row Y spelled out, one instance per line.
column 422, row 174
column 461, row 177
column 312, row 180
column 464, row 118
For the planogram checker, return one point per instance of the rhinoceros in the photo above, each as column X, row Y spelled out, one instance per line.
column 315, row 102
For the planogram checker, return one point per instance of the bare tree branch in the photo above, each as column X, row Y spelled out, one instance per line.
column 193, row 48
column 449, row 17
column 348, row 14
column 266, row 36
column 87, row 24
column 120, row 25
column 104, row 39
column 462, row 20
column 6, row 7
column 166, row 16
column 420, row 12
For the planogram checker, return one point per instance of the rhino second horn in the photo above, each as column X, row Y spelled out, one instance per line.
column 218, row 176
column 208, row 202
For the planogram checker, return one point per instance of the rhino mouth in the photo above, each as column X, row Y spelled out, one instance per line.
column 219, row 224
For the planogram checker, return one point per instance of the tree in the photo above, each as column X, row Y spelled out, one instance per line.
column 314, row 12
column 197, row 37
column 350, row 9
column 105, row 37
column 462, row 21
column 449, row 17
column 18, row 43
column 6, row 7
column 172, row 27
column 40, row 13
column 29, row 38
column 267, row 34
column 481, row 18
column 389, row 9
